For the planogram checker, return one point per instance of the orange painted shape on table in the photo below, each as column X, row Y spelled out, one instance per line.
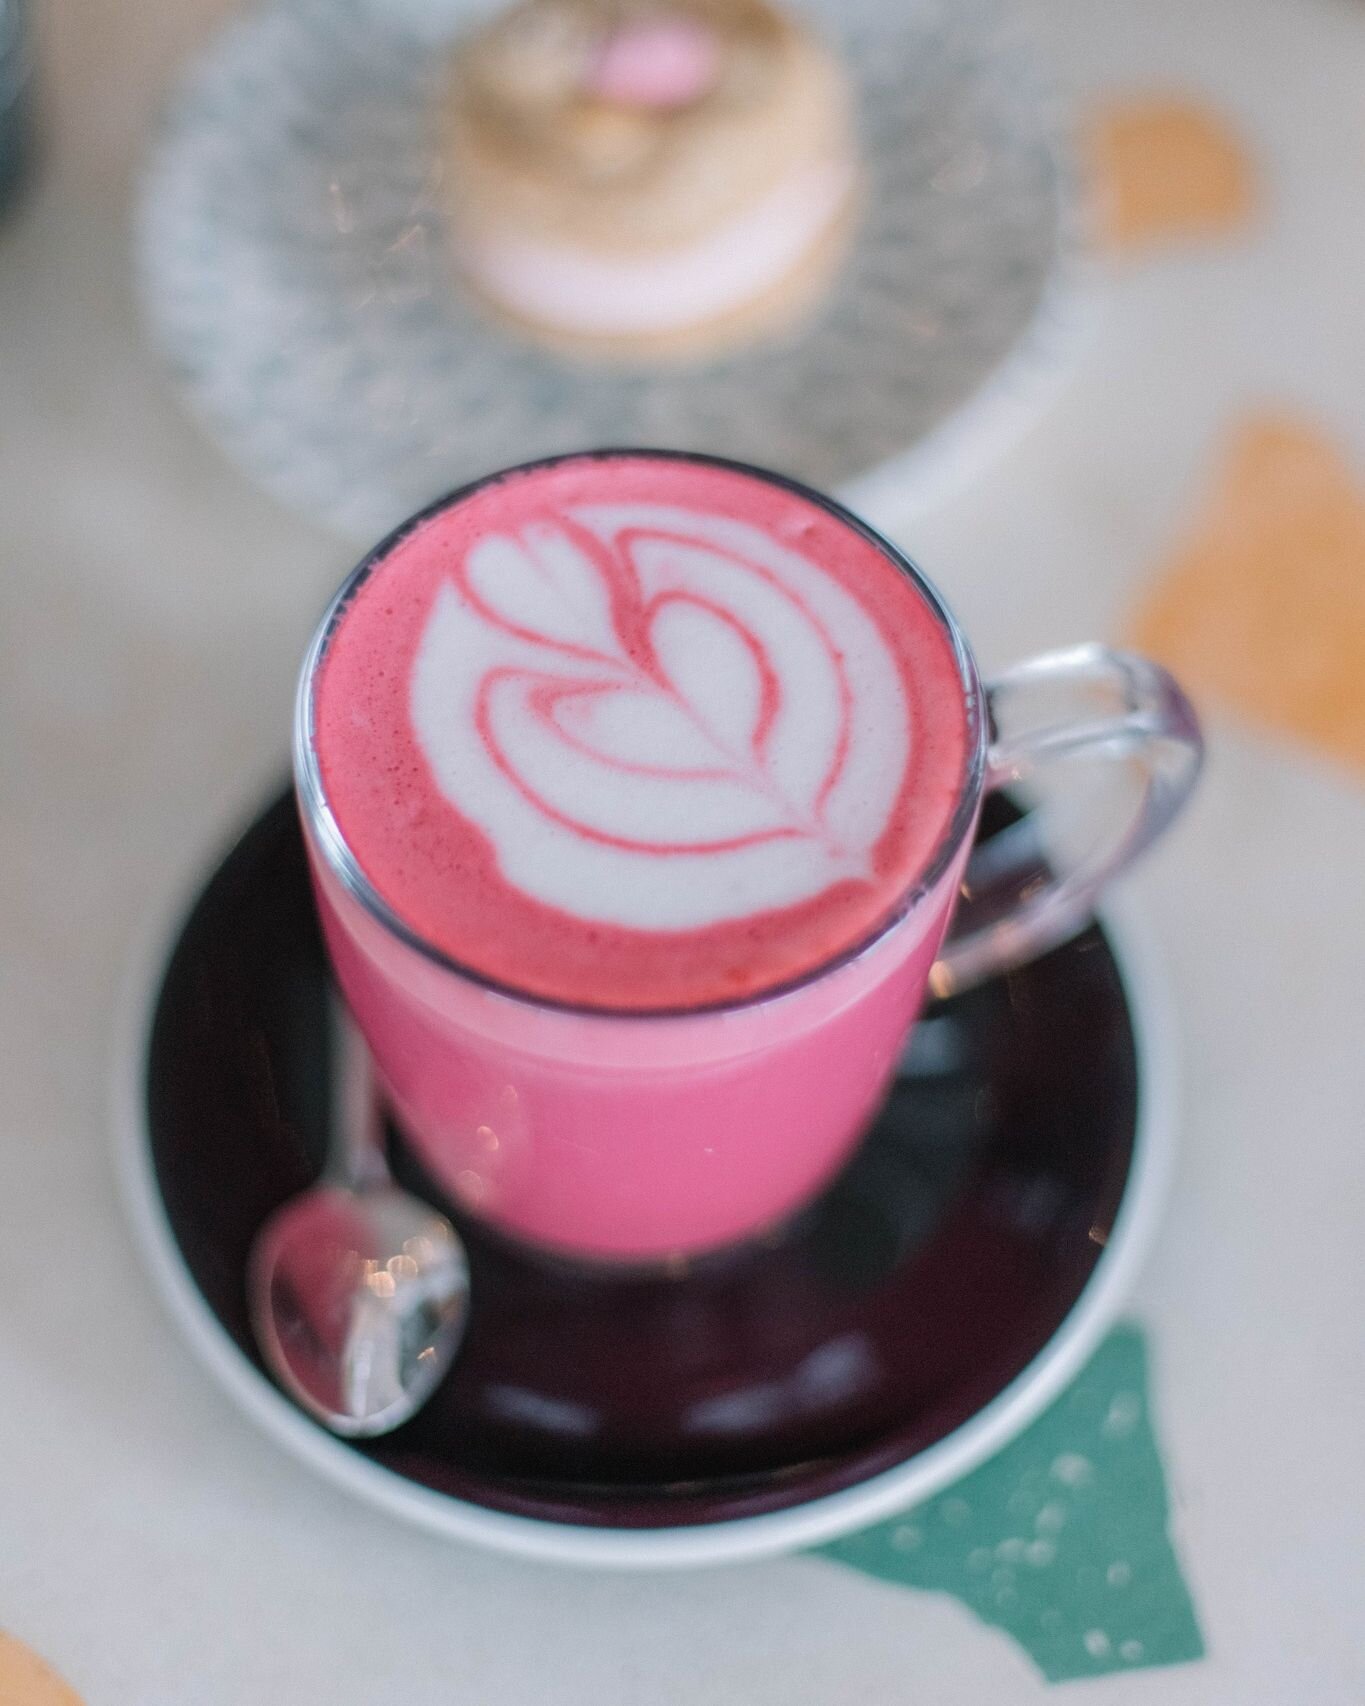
column 1263, row 606
column 1164, row 167
column 26, row 1681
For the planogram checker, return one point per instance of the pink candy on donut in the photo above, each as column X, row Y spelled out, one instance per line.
column 660, row 63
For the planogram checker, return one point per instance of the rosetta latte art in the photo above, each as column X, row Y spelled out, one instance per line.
column 660, row 719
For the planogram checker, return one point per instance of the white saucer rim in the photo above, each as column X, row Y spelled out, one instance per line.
column 735, row 1540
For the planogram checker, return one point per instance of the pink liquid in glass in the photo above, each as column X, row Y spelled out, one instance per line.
column 638, row 790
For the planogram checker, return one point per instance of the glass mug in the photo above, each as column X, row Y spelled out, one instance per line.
column 647, row 1137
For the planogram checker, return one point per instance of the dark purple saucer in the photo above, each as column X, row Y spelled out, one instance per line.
column 903, row 1304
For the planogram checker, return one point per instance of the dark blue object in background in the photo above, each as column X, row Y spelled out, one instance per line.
column 15, row 100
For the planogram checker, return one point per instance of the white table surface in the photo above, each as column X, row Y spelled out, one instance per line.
column 152, row 609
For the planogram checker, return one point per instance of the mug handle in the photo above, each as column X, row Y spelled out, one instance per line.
column 1092, row 704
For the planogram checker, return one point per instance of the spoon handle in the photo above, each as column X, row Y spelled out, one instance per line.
column 356, row 1153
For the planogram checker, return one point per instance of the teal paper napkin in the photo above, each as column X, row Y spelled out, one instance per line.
column 1061, row 1539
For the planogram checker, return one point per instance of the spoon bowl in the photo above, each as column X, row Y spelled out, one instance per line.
column 359, row 1300
column 359, row 1291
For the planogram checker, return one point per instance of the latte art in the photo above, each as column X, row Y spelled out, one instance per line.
column 639, row 731
column 661, row 719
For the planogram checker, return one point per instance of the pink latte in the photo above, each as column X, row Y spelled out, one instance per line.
column 640, row 734
column 638, row 789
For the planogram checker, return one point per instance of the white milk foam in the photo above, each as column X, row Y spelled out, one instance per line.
column 699, row 799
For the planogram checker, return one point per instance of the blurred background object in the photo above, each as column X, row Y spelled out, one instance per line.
column 300, row 272
column 647, row 181
column 1164, row 167
column 1262, row 605
column 16, row 82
